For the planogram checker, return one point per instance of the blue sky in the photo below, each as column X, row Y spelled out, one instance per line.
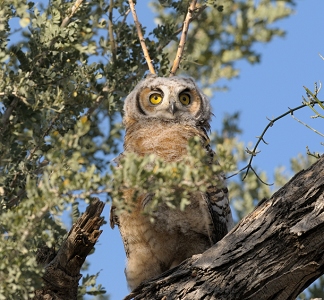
column 263, row 90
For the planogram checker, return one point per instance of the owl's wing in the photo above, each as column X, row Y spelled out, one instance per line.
column 113, row 217
column 221, row 221
column 217, row 201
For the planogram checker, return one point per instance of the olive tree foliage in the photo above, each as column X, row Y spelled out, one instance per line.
column 66, row 67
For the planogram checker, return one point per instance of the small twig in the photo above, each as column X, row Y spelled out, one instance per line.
column 104, row 95
column 74, row 8
column 141, row 37
column 314, row 154
column 313, row 98
column 179, row 30
column 183, row 38
column 236, row 173
column 270, row 124
column 125, row 17
column 8, row 112
column 123, row 21
column 45, row 133
column 309, row 127
column 256, row 174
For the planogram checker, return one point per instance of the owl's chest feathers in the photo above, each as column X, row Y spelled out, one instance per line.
column 166, row 140
column 171, row 227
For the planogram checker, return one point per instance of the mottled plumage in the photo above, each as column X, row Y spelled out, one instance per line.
column 161, row 115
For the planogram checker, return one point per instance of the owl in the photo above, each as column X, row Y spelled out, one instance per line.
column 161, row 115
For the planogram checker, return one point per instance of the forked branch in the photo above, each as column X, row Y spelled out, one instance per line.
column 141, row 37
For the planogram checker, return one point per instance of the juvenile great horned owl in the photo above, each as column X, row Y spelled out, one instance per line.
column 161, row 115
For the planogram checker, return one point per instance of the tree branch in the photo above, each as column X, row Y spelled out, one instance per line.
column 111, row 31
column 74, row 8
column 62, row 270
column 273, row 253
column 141, row 37
column 306, row 125
column 183, row 38
column 180, row 29
column 7, row 114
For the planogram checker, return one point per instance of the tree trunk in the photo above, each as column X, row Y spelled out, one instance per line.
column 62, row 269
column 273, row 253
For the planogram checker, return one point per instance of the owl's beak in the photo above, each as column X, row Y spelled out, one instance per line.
column 172, row 107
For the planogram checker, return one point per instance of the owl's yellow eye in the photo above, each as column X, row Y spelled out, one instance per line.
column 184, row 98
column 155, row 98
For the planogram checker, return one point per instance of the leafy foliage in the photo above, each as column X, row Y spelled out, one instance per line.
column 171, row 182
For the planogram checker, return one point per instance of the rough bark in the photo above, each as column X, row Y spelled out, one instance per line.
column 273, row 253
column 62, row 269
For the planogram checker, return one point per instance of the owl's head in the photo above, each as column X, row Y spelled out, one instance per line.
column 173, row 99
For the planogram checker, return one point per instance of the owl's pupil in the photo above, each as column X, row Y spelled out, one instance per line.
column 156, row 97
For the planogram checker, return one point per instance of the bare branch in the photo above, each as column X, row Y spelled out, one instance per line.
column 141, row 37
column 236, row 173
column 314, row 154
column 111, row 31
column 290, row 111
column 313, row 98
column 254, row 151
column 183, row 38
column 198, row 12
column 256, row 174
column 74, row 8
column 306, row 125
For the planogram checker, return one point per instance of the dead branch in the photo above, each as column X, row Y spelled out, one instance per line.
column 62, row 269
column 141, row 37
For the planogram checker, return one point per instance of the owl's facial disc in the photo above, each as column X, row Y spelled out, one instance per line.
column 172, row 106
column 175, row 103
